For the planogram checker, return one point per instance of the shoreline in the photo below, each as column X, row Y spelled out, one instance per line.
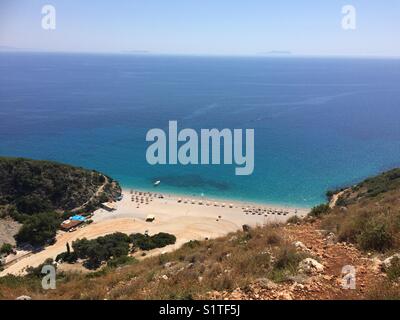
column 188, row 218
column 205, row 204
column 212, row 198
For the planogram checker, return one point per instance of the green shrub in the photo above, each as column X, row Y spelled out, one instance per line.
column 6, row 248
column 285, row 264
column 71, row 257
column 101, row 249
column 330, row 193
column 39, row 229
column 146, row 242
column 163, row 239
column 288, row 258
column 369, row 229
column 33, row 203
column 81, row 247
column 393, row 272
column 319, row 210
column 375, row 237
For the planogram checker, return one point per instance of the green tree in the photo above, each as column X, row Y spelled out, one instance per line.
column 319, row 210
column 6, row 248
column 39, row 229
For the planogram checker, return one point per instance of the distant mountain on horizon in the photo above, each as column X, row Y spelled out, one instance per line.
column 135, row 52
column 277, row 52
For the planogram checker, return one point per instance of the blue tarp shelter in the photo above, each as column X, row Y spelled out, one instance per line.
column 77, row 218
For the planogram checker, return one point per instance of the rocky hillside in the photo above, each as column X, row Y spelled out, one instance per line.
column 315, row 258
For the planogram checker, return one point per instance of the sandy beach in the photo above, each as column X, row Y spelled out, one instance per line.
column 188, row 218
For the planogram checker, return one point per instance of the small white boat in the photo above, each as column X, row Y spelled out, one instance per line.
column 157, row 183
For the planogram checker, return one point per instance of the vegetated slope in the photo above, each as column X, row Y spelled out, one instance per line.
column 368, row 214
column 40, row 194
column 31, row 187
column 262, row 263
column 371, row 188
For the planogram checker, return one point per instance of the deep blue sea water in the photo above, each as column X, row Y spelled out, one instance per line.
column 319, row 123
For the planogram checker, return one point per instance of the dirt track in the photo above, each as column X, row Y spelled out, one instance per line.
column 324, row 286
column 185, row 229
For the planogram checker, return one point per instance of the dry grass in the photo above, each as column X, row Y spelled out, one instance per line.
column 373, row 223
column 188, row 273
column 385, row 290
column 368, row 215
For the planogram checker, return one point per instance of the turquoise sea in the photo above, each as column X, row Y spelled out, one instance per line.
column 319, row 123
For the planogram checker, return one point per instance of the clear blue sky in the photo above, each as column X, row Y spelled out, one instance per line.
column 233, row 27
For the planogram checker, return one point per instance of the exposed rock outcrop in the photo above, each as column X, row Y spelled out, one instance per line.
column 310, row 266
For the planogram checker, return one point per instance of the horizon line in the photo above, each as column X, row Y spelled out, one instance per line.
column 216, row 55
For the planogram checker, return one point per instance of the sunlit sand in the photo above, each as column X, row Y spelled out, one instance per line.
column 188, row 218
